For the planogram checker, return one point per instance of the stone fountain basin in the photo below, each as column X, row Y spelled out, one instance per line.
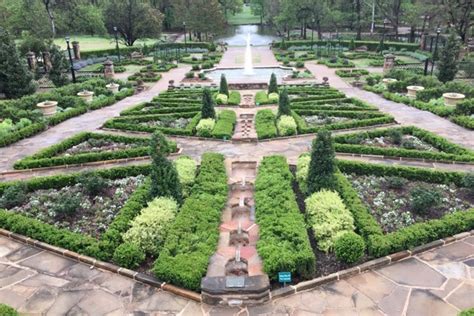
column 389, row 80
column 87, row 96
column 260, row 74
column 451, row 98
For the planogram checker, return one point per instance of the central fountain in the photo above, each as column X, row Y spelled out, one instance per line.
column 248, row 68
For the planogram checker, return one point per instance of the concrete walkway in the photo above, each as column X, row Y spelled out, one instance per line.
column 404, row 114
column 438, row 282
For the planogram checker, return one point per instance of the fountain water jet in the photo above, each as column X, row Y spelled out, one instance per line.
column 248, row 69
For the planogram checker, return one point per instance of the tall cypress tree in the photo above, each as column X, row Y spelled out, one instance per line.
column 322, row 166
column 273, row 86
column 223, row 87
column 15, row 79
column 448, row 61
column 207, row 110
column 284, row 104
column 164, row 177
column 58, row 72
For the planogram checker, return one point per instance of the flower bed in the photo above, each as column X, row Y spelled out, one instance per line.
column 408, row 142
column 27, row 120
column 118, row 223
column 89, row 147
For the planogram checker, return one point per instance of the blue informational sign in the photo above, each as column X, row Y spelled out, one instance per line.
column 284, row 277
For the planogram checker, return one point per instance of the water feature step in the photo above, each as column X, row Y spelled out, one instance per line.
column 228, row 291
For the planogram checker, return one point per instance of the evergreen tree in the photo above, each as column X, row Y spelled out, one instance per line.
column 322, row 165
column 352, row 45
column 164, row 177
column 284, row 104
column 448, row 61
column 15, row 79
column 273, row 86
column 207, row 105
column 224, row 88
column 59, row 63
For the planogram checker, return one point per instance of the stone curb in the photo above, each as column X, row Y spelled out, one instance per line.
column 449, row 162
column 94, row 263
column 367, row 266
column 86, row 164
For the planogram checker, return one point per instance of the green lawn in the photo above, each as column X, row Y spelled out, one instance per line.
column 244, row 17
column 92, row 43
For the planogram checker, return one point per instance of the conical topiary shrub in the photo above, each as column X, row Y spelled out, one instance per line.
column 273, row 86
column 223, row 87
column 284, row 104
column 322, row 166
column 207, row 110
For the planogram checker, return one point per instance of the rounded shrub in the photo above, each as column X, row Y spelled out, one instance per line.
column 205, row 127
column 273, row 97
column 349, row 247
column 222, row 99
column 286, row 125
column 128, row 255
column 423, row 199
column 468, row 181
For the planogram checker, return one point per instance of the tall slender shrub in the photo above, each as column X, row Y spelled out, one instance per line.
column 322, row 166
column 284, row 104
column 223, row 87
column 164, row 177
column 273, row 86
column 448, row 61
column 207, row 110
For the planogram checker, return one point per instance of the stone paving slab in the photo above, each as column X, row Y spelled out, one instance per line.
column 38, row 282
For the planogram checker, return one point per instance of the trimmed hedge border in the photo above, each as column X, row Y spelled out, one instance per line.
column 450, row 151
column 367, row 266
column 47, row 158
column 371, row 45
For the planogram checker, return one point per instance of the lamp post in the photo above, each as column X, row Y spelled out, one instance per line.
column 70, row 59
column 116, row 43
column 435, row 54
column 185, row 44
column 385, row 22
column 312, row 33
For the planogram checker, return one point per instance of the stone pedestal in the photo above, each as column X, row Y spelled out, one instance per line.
column 77, row 50
column 48, row 108
column 109, row 72
column 389, row 80
column 113, row 87
column 87, row 96
column 47, row 62
column 451, row 99
column 31, row 58
column 412, row 90
column 388, row 63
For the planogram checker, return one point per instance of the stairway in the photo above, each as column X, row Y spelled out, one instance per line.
column 245, row 128
column 235, row 275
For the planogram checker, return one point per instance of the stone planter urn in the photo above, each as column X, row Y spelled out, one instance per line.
column 451, row 99
column 48, row 108
column 113, row 87
column 412, row 90
column 85, row 95
column 389, row 80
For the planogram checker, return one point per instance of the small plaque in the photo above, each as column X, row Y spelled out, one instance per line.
column 284, row 277
column 234, row 282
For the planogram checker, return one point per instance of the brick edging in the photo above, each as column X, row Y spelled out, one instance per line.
column 134, row 275
column 86, row 164
column 364, row 267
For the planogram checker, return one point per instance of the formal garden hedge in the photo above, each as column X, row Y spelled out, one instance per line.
column 371, row 45
column 443, row 150
column 56, row 155
column 102, row 248
column 22, row 119
column 380, row 244
column 193, row 237
column 283, row 243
